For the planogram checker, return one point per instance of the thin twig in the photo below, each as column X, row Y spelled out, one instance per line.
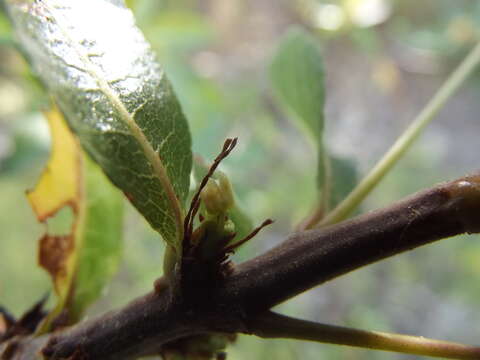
column 273, row 325
column 231, row 248
column 228, row 146
column 403, row 143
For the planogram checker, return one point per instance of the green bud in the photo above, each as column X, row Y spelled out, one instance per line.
column 218, row 195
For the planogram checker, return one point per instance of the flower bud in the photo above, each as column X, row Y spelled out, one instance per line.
column 217, row 195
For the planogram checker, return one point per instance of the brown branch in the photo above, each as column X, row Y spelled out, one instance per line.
column 310, row 258
column 304, row 260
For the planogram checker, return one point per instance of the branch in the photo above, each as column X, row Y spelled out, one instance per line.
column 310, row 258
column 304, row 260
column 272, row 325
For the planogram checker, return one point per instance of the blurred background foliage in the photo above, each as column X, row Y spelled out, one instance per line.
column 383, row 61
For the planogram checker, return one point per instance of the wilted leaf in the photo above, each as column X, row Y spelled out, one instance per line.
column 60, row 185
column 83, row 260
column 115, row 97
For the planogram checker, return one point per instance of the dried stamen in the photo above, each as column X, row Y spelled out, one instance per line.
column 228, row 146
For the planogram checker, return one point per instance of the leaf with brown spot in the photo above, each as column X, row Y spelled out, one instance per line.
column 82, row 260
column 53, row 253
column 59, row 186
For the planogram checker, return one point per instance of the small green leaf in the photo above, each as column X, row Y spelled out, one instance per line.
column 297, row 77
column 345, row 178
column 115, row 97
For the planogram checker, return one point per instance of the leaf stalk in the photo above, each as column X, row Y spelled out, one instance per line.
column 403, row 143
column 273, row 325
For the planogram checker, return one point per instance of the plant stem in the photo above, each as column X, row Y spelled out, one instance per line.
column 272, row 325
column 402, row 144
column 304, row 260
column 313, row 257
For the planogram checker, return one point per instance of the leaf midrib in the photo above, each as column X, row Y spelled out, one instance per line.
column 154, row 158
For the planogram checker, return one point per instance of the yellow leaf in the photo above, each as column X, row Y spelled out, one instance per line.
column 60, row 182
column 60, row 185
column 82, row 258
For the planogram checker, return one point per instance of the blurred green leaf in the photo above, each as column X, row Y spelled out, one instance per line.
column 84, row 256
column 298, row 79
column 178, row 30
column 116, row 98
column 102, row 237
column 202, row 100
column 344, row 179
column 5, row 31
column 26, row 150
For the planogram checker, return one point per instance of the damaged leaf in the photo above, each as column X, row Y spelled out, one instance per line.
column 60, row 185
column 81, row 261
column 115, row 97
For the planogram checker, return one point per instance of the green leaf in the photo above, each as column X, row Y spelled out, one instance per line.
column 115, row 97
column 297, row 77
column 102, row 230
column 178, row 30
column 84, row 255
column 345, row 178
column 243, row 223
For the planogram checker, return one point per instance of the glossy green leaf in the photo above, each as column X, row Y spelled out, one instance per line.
column 116, row 98
column 297, row 77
